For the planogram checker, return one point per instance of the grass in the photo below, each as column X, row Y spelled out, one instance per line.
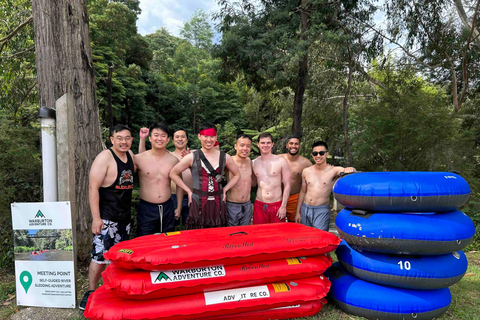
column 465, row 296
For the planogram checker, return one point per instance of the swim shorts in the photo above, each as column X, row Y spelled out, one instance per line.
column 292, row 207
column 239, row 214
column 111, row 234
column 154, row 218
column 315, row 216
column 266, row 212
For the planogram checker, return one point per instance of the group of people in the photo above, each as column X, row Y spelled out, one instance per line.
column 204, row 188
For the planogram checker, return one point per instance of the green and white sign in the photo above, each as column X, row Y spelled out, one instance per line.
column 44, row 260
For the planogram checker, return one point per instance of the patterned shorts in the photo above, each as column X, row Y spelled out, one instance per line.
column 112, row 233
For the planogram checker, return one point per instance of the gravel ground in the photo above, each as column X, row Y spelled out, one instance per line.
column 33, row 313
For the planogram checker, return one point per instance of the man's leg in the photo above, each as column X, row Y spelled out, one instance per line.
column 94, row 273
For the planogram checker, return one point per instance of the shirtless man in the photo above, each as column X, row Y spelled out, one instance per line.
column 239, row 207
column 317, row 182
column 156, row 211
column 270, row 171
column 207, row 198
column 110, row 195
column 296, row 163
column 180, row 141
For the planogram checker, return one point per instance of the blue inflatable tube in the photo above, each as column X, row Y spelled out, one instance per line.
column 400, row 233
column 404, row 271
column 374, row 301
column 402, row 191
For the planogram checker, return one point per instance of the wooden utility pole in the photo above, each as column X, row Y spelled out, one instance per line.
column 66, row 78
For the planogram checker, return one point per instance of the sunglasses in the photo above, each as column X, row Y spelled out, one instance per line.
column 316, row 153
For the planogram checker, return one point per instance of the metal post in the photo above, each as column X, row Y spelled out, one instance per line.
column 49, row 153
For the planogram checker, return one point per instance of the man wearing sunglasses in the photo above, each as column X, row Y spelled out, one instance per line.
column 317, row 182
column 296, row 163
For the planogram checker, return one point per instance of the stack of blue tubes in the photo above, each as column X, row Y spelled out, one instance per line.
column 403, row 237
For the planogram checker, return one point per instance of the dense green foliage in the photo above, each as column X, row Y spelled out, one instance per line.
column 407, row 109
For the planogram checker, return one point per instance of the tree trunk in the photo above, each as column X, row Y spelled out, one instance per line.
column 194, row 122
column 64, row 65
column 345, row 115
column 302, row 74
column 109, row 98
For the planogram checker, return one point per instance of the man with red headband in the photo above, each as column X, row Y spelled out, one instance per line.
column 207, row 199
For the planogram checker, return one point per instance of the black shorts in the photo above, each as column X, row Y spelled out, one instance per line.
column 154, row 218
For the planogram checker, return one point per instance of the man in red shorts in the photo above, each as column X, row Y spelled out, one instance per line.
column 270, row 171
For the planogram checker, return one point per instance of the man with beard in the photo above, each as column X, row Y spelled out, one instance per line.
column 207, row 198
column 317, row 182
column 296, row 163
column 270, row 171
column 110, row 196
column 239, row 206
column 156, row 212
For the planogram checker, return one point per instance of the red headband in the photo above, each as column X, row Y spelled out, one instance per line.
column 208, row 132
column 216, row 143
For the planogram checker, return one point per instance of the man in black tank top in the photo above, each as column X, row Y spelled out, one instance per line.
column 110, row 194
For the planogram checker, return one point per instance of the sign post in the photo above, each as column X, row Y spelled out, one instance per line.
column 44, row 260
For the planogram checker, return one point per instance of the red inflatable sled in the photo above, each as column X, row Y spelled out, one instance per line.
column 297, row 311
column 226, row 246
column 104, row 304
column 142, row 284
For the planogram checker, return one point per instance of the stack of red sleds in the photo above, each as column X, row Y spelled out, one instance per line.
column 271, row 271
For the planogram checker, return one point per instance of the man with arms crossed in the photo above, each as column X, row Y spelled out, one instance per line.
column 317, row 182
column 239, row 207
column 296, row 163
column 270, row 171
column 156, row 210
column 110, row 195
column 206, row 199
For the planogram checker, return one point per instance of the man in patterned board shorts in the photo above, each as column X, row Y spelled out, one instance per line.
column 317, row 183
column 110, row 195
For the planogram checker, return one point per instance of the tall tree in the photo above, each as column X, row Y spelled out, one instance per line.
column 440, row 37
column 270, row 43
column 64, row 65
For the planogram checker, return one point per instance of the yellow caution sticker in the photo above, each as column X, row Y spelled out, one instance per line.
column 291, row 261
column 127, row 251
column 281, row 287
column 172, row 233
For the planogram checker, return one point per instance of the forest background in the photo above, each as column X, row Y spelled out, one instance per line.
column 400, row 94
